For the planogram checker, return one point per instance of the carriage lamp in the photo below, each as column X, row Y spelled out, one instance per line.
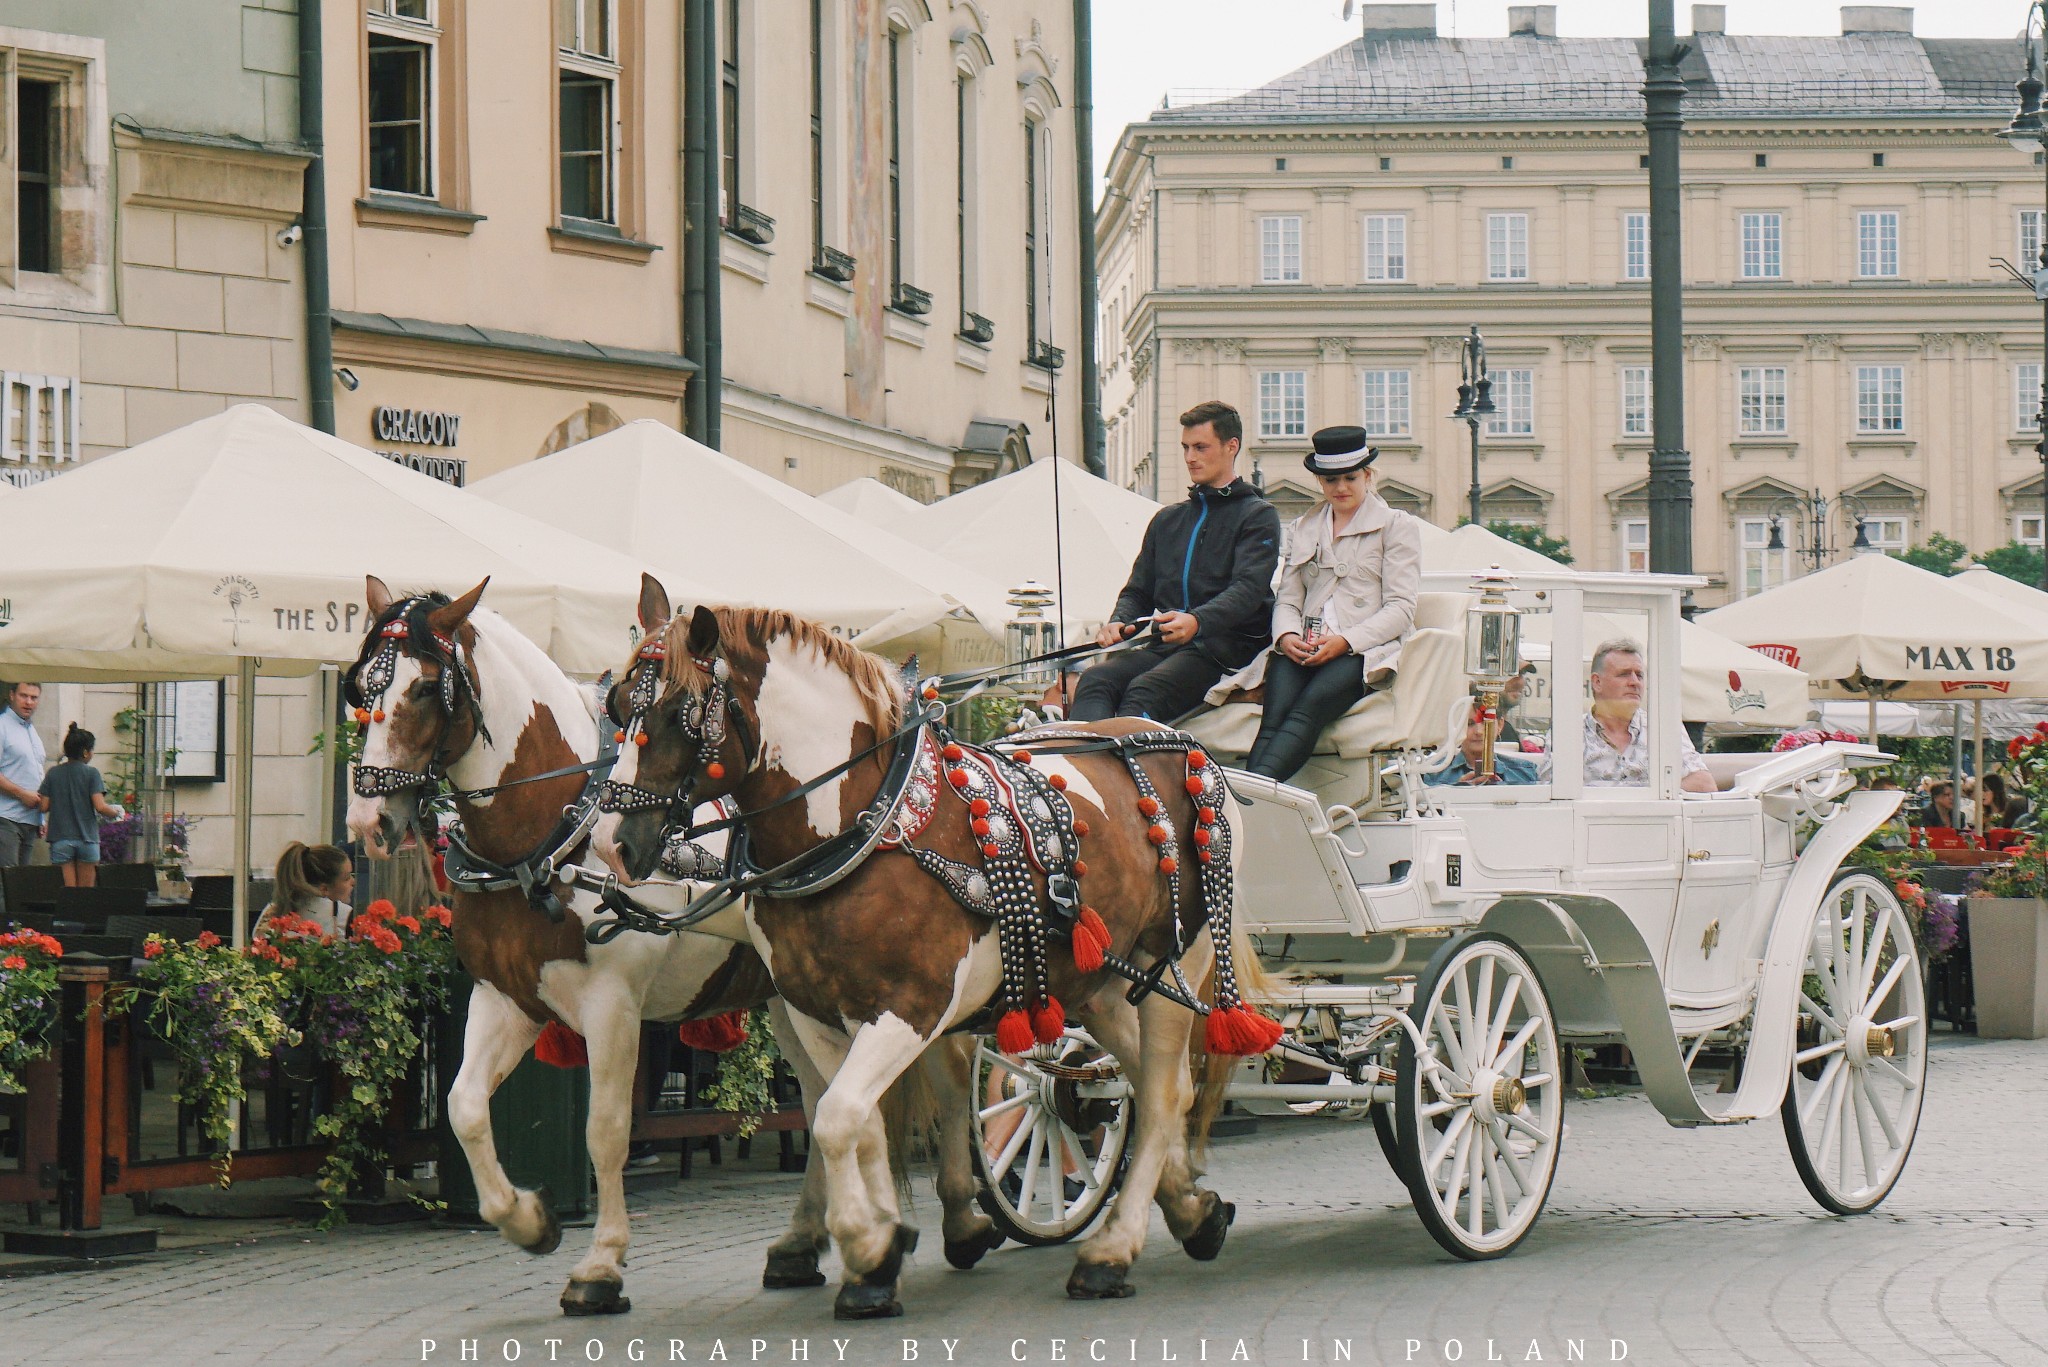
column 1493, row 646
column 1030, row 633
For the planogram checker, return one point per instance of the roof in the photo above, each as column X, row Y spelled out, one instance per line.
column 1410, row 79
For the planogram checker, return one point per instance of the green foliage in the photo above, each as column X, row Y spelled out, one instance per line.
column 746, row 1076
column 2014, row 561
column 1534, row 538
column 349, row 749
column 1941, row 555
column 2025, row 876
column 28, row 1000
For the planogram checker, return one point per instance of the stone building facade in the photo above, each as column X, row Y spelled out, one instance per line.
column 1316, row 249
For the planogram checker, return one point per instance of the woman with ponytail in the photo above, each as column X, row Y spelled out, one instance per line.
column 76, row 803
column 314, row 881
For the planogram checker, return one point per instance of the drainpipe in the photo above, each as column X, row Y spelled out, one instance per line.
column 1084, row 172
column 313, row 226
column 709, row 89
column 699, row 209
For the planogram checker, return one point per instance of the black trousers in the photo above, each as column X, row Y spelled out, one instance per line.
column 1159, row 684
column 1300, row 702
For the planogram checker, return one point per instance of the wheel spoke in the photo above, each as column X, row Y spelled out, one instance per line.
column 1884, row 1122
column 1842, row 1125
column 1900, row 1022
column 1501, row 1053
column 1481, row 1020
column 1008, row 1104
column 1497, row 1026
column 1010, row 1065
column 1854, row 961
column 1532, row 1081
column 1819, row 1051
column 1016, row 1145
column 1880, row 934
column 1028, row 1184
column 1451, row 1135
column 1437, row 1108
column 1898, row 1074
column 1461, row 993
column 1885, row 986
column 1516, row 1122
column 1856, row 1103
column 1475, row 1190
column 1820, row 1013
column 1446, row 1033
column 1452, row 1188
column 1084, row 1166
column 1819, row 1094
column 1495, row 1187
column 1502, row 1145
column 1056, row 1169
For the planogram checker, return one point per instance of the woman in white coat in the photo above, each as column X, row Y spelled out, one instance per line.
column 1346, row 603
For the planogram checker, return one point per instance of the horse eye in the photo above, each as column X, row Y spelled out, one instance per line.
column 422, row 689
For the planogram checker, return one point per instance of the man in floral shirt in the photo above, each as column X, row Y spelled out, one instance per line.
column 1617, row 747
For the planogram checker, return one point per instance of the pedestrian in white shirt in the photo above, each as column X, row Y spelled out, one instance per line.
column 22, row 758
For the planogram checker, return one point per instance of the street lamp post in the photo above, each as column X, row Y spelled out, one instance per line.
column 2029, row 133
column 1670, row 483
column 1475, row 405
column 1808, row 514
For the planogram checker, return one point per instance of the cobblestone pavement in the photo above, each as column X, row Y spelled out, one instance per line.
column 1686, row 1247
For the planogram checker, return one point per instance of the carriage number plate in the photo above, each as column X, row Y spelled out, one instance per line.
column 1454, row 870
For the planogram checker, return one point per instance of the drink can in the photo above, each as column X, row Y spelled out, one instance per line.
column 1312, row 630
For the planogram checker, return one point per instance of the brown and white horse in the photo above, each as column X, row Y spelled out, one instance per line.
column 879, row 966
column 507, row 714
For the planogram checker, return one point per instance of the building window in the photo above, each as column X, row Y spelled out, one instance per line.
column 818, row 243
column 1635, row 401
column 1757, row 566
column 896, row 37
column 1507, row 246
column 1280, row 249
column 1760, row 401
column 1514, row 401
column 1763, row 246
column 1886, row 534
column 728, row 112
column 1880, row 398
column 588, row 69
column 2030, row 238
column 35, row 175
column 1877, row 244
column 1032, row 238
column 966, row 231
column 2026, row 528
column 1633, row 535
column 2026, row 397
column 1283, row 403
column 1635, row 246
column 1386, row 246
column 1385, row 406
column 402, row 41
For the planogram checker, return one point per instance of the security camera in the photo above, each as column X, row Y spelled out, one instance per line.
column 290, row 234
column 349, row 380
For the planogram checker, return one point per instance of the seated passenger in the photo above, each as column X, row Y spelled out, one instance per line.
column 1464, row 767
column 1617, row 752
column 1346, row 602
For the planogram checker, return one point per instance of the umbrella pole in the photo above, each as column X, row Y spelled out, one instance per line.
column 1955, row 765
column 1977, row 726
column 245, row 776
column 1873, row 719
column 331, row 733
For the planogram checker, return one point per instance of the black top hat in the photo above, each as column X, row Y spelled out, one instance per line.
column 1339, row 451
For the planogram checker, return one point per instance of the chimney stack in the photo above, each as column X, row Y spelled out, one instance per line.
column 1398, row 21
column 1877, row 19
column 1709, row 19
column 1532, row 21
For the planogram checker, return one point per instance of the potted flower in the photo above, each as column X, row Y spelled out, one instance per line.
column 2009, row 945
column 170, row 863
column 28, row 1001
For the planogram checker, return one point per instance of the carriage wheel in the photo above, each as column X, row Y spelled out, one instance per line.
column 1384, row 1129
column 1860, row 1067
column 1051, row 1136
column 1479, row 1108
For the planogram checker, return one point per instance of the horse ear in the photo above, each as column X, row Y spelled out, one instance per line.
column 376, row 595
column 446, row 620
column 703, row 631
column 654, row 605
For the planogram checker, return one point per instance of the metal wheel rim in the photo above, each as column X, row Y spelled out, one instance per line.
column 1851, row 1125
column 1042, row 1146
column 1481, row 1172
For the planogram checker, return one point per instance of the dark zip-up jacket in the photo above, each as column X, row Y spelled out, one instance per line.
column 1213, row 556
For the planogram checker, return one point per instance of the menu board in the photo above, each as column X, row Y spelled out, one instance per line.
column 197, row 710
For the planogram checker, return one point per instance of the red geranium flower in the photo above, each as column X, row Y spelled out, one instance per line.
column 13, row 961
column 153, row 948
column 408, row 922
column 439, row 913
column 383, row 937
column 208, row 940
column 379, row 910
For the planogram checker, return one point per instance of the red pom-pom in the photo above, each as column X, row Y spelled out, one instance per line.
column 619, row 735
column 362, row 716
column 560, row 1047
column 378, row 715
column 1080, row 828
column 1148, row 806
column 714, row 770
column 1206, row 856
column 952, row 752
column 959, row 778
column 931, row 695
column 1080, row 869
column 991, row 850
column 979, row 807
column 1021, row 756
column 1240, row 1032
column 718, row 1035
column 1058, row 782
column 1206, row 815
column 1158, row 835
column 1203, row 835
column 1196, row 787
column 1167, row 865
column 641, row 738
column 1196, row 759
column 1049, row 1021
column 979, row 825
column 1091, row 940
column 1013, row 1033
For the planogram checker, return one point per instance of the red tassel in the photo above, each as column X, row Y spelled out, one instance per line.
column 1049, row 1021
column 718, row 1035
column 561, row 1047
column 1013, row 1033
column 1091, row 939
column 1240, row 1032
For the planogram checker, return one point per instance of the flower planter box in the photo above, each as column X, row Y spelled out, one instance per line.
column 2009, row 961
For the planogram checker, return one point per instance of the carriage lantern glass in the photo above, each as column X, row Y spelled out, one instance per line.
column 1493, row 651
column 1030, row 633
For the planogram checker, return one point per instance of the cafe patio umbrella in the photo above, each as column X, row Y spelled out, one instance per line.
column 874, row 503
column 239, row 545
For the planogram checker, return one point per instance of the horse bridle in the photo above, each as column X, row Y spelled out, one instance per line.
column 367, row 683
column 700, row 717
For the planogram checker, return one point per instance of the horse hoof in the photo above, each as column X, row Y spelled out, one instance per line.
column 965, row 1253
column 1100, row 1282
column 792, row 1271
column 1207, row 1240
column 550, row 1233
column 595, row 1298
column 859, row 1301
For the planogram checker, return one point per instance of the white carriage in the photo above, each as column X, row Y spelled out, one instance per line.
column 1436, row 948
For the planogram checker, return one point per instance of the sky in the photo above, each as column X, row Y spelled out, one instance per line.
column 1144, row 48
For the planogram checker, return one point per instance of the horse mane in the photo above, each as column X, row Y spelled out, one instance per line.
column 745, row 635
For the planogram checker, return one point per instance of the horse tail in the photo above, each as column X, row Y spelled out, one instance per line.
column 910, row 1119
